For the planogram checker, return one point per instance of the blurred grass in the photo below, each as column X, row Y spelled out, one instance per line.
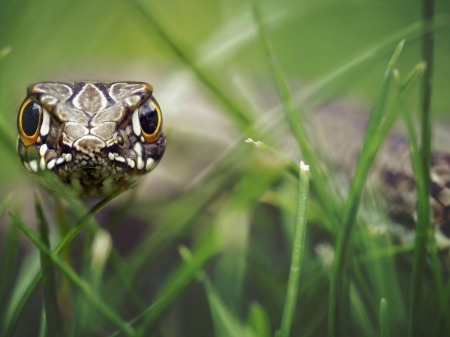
column 230, row 207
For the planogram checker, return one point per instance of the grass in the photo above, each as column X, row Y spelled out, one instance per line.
column 229, row 253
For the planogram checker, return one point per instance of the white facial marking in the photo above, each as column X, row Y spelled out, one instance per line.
column 138, row 149
column 45, row 128
column 110, row 156
column 150, row 163
column 51, row 164
column 27, row 166
column 140, row 163
column 120, row 158
column 69, row 157
column 136, row 124
column 43, row 149
column 130, row 163
column 60, row 161
column 42, row 163
column 33, row 165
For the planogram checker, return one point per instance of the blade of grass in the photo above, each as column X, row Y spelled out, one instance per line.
column 100, row 250
column 365, row 160
column 297, row 252
column 52, row 313
column 205, row 249
column 240, row 115
column 295, row 122
column 423, row 208
column 13, row 321
column 91, row 295
column 43, row 325
column 258, row 320
column 225, row 322
column 9, row 251
column 384, row 318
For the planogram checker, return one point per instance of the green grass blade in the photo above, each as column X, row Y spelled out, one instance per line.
column 297, row 252
column 204, row 250
column 258, row 320
column 52, row 313
column 295, row 122
column 43, row 325
column 384, row 318
column 365, row 160
column 240, row 115
column 423, row 208
column 99, row 254
column 225, row 322
column 12, row 323
column 91, row 295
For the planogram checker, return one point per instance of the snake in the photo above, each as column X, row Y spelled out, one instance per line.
column 95, row 137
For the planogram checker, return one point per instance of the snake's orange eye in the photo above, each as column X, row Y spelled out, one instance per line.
column 150, row 119
column 29, row 121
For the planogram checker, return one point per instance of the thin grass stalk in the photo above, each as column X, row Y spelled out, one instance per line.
column 52, row 312
column 43, row 324
column 91, row 295
column 99, row 254
column 295, row 122
column 384, row 318
column 12, row 324
column 9, row 252
column 423, row 208
column 297, row 252
column 240, row 115
column 208, row 246
column 367, row 155
column 418, row 168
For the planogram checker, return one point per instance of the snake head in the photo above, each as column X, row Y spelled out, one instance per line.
column 96, row 137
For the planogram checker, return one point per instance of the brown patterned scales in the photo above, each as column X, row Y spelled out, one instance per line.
column 96, row 137
column 339, row 130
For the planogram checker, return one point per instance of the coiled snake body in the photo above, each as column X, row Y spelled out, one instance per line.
column 96, row 137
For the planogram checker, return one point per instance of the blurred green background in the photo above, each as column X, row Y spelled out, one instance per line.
column 252, row 199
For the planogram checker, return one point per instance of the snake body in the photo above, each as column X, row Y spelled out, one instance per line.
column 96, row 137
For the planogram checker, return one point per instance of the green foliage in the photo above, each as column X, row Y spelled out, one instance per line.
column 213, row 242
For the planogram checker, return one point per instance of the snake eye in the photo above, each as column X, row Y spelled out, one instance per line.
column 29, row 121
column 150, row 120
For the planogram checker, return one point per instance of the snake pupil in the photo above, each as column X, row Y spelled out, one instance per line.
column 30, row 118
column 148, row 117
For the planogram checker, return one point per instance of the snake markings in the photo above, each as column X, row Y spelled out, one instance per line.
column 96, row 137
